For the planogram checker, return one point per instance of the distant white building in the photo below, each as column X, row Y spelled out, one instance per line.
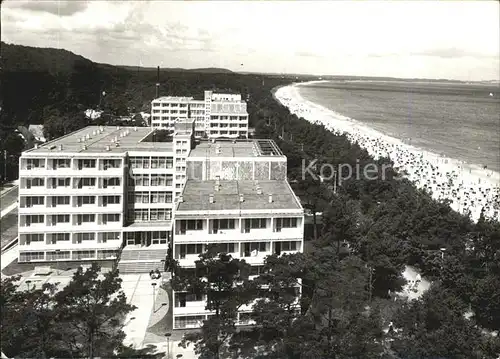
column 217, row 115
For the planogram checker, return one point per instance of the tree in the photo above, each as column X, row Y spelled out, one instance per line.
column 92, row 307
column 276, row 310
column 224, row 282
column 339, row 309
column 434, row 326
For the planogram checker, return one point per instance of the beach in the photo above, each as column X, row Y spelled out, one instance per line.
column 470, row 188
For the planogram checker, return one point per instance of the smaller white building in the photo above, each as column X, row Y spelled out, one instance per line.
column 217, row 115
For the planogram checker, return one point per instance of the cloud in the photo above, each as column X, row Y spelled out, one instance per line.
column 306, row 54
column 451, row 53
column 60, row 8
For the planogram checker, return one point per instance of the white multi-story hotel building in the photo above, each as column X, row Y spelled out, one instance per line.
column 122, row 193
column 86, row 195
column 217, row 115
column 237, row 197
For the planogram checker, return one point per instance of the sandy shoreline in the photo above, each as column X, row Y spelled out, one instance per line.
column 469, row 187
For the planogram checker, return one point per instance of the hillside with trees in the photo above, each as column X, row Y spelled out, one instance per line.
column 348, row 299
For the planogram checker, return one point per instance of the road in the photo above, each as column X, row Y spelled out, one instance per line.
column 9, row 199
column 9, row 216
column 8, row 227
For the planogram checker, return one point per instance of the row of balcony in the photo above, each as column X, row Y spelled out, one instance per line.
column 89, row 221
column 253, row 252
column 235, row 226
column 79, row 164
column 65, row 255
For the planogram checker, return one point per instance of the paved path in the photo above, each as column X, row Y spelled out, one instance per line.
column 139, row 292
column 8, row 198
column 8, row 228
column 9, row 256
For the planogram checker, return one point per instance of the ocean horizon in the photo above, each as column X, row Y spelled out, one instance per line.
column 460, row 121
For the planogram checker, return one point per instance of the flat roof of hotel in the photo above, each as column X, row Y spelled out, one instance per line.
column 173, row 98
column 99, row 140
column 196, row 196
column 238, row 148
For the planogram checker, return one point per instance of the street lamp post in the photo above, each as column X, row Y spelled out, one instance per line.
column 154, row 297
column 168, row 335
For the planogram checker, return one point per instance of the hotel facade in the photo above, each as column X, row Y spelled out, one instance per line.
column 111, row 193
column 217, row 115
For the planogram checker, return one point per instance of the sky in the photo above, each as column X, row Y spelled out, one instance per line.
column 408, row 39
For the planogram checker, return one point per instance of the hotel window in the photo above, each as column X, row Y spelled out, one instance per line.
column 60, row 218
column 34, row 182
column 34, row 201
column 60, row 201
column 145, row 162
column 187, row 249
column 83, row 254
column 110, row 200
column 107, row 164
column 225, row 247
column 61, row 163
column 287, row 246
column 85, row 182
column 250, row 249
column 255, row 223
column 85, row 200
column 141, row 180
column 33, row 163
column 141, row 215
column 191, row 225
column 110, row 217
column 36, row 219
column 86, row 163
column 223, row 224
column 154, row 180
column 106, row 253
column 189, row 321
column 56, row 255
column 31, row 256
column 34, row 237
column 160, row 214
column 141, row 197
column 85, row 218
column 111, row 182
column 158, row 162
column 60, row 182
column 109, row 236
column 285, row 223
column 80, row 237
column 61, row 236
column 135, row 162
column 159, row 237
